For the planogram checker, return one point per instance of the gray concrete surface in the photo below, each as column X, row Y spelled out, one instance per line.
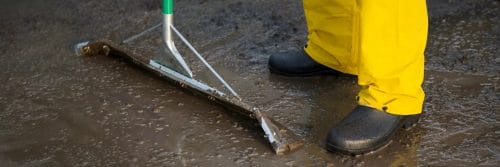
column 57, row 109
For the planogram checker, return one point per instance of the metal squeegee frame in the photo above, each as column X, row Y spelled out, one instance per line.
column 200, row 57
column 169, row 43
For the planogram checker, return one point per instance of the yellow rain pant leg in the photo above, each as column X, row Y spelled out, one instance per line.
column 393, row 35
column 332, row 33
column 381, row 41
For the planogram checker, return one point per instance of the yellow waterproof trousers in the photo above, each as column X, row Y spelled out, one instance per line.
column 380, row 41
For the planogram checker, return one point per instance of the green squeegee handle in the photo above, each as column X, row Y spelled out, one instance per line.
column 168, row 7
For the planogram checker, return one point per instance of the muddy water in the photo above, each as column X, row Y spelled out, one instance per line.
column 62, row 110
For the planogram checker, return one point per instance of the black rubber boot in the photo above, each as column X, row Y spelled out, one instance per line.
column 297, row 64
column 366, row 129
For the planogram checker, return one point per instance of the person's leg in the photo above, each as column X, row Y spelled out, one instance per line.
column 381, row 41
column 392, row 39
column 393, row 36
column 332, row 28
column 330, row 40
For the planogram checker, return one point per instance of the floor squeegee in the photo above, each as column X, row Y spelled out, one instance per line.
column 172, row 66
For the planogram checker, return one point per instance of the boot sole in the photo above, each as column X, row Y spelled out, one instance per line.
column 409, row 123
column 315, row 73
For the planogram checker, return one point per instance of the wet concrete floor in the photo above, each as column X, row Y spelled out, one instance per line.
column 57, row 109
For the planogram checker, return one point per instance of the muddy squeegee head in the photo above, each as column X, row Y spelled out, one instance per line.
column 171, row 65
